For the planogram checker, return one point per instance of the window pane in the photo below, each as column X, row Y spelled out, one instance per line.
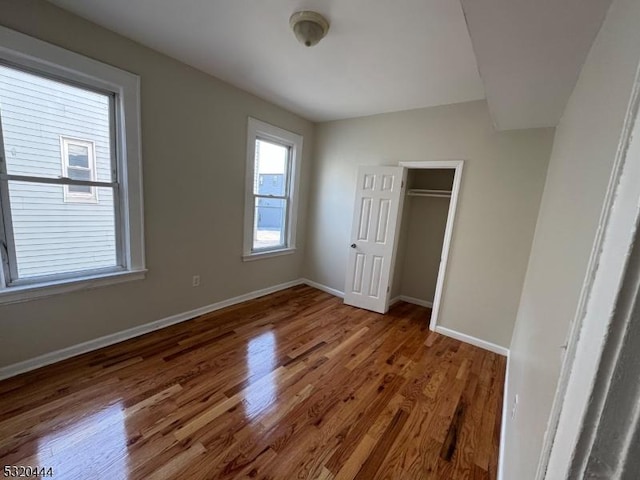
column 78, row 156
column 56, row 237
column 79, row 174
column 269, row 221
column 36, row 112
column 271, row 168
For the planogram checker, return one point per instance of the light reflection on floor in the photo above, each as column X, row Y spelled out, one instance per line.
column 261, row 359
column 93, row 447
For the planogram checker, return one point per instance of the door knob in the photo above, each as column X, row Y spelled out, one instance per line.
column 353, row 245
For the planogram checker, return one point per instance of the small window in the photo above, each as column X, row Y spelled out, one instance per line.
column 79, row 163
column 271, row 202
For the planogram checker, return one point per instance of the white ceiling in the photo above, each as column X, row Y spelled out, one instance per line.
column 378, row 56
column 530, row 53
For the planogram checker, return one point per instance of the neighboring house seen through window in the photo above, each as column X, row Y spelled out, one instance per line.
column 70, row 185
column 270, row 212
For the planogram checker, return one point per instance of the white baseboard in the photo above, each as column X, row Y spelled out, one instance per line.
column 413, row 300
column 338, row 293
column 322, row 287
column 503, row 424
column 63, row 354
column 492, row 347
column 95, row 344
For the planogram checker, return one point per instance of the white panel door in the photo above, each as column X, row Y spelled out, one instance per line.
column 379, row 199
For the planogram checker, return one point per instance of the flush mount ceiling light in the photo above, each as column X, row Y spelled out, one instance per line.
column 309, row 27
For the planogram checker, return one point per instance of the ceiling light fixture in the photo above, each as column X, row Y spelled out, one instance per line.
column 309, row 27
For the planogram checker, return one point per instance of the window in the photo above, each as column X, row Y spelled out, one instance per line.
column 272, row 184
column 70, row 185
column 79, row 163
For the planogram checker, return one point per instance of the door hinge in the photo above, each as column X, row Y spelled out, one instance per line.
column 402, row 184
column 388, row 289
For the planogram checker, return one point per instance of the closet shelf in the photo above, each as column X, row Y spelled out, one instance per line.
column 419, row 192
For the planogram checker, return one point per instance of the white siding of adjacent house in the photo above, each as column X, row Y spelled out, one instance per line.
column 52, row 235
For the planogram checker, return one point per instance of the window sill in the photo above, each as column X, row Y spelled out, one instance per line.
column 250, row 257
column 24, row 293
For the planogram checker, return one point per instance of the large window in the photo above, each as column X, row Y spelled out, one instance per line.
column 70, row 186
column 270, row 212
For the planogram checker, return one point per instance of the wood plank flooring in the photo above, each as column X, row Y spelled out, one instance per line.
column 293, row 385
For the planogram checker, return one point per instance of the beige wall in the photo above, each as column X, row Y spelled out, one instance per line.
column 193, row 150
column 501, row 189
column 581, row 163
column 424, row 235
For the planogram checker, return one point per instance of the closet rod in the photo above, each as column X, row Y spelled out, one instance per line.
column 416, row 192
column 428, row 195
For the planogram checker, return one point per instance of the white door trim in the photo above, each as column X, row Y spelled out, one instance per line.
column 448, row 232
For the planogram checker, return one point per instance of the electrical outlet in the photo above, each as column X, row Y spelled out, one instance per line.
column 196, row 281
column 514, row 407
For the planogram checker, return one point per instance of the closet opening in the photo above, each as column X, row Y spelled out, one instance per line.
column 425, row 233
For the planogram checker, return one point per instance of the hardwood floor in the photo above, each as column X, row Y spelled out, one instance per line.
column 291, row 385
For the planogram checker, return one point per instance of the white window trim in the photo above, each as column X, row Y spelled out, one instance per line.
column 44, row 58
column 78, row 197
column 22, row 293
column 257, row 129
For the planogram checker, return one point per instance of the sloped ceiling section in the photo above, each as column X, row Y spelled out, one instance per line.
column 530, row 53
column 378, row 56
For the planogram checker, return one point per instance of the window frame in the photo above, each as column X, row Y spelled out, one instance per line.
column 285, row 198
column 35, row 56
column 78, row 197
column 259, row 130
